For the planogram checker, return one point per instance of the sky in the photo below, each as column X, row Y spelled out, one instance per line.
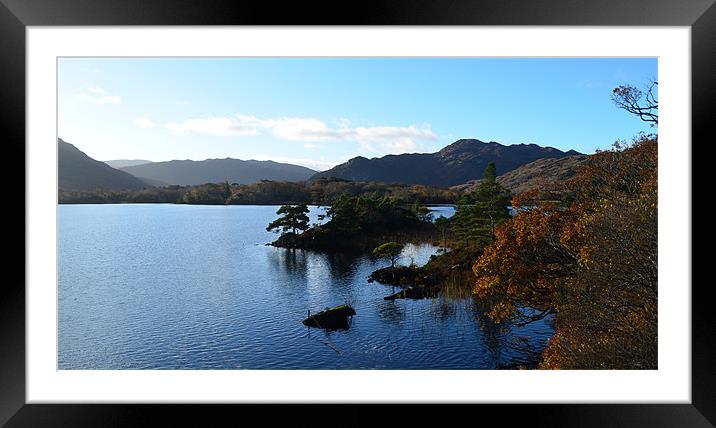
column 319, row 112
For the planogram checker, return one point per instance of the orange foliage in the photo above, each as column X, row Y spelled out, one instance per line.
column 593, row 263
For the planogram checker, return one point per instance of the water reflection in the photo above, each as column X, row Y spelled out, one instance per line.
column 290, row 267
column 443, row 310
column 391, row 312
column 291, row 260
column 493, row 337
column 510, row 346
column 342, row 266
column 208, row 298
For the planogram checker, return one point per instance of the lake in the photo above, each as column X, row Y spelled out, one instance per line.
column 159, row 286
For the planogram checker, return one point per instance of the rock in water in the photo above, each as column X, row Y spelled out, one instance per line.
column 332, row 318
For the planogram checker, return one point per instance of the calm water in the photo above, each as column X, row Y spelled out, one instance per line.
column 194, row 287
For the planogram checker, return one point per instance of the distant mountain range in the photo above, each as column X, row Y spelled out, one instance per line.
column 458, row 163
column 77, row 171
column 188, row 172
column 534, row 175
column 121, row 163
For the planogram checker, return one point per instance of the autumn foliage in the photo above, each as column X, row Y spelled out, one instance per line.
column 591, row 262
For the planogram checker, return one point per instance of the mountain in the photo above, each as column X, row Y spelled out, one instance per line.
column 187, row 172
column 77, row 171
column 458, row 163
column 534, row 175
column 122, row 163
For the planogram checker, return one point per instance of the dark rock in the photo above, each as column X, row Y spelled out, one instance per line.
column 402, row 276
column 333, row 318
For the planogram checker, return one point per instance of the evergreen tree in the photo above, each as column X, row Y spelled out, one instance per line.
column 389, row 251
column 491, row 202
column 344, row 213
column 480, row 211
column 490, row 173
column 294, row 218
column 442, row 223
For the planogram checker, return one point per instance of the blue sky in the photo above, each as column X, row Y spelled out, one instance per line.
column 319, row 112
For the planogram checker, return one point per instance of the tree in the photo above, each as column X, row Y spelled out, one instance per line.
column 421, row 211
column 294, row 218
column 491, row 201
column 479, row 212
column 442, row 224
column 350, row 214
column 344, row 213
column 490, row 173
column 641, row 103
column 389, row 251
column 226, row 191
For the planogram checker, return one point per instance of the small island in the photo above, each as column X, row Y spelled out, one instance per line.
column 355, row 223
column 381, row 225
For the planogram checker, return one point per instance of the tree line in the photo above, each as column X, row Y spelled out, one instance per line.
column 320, row 192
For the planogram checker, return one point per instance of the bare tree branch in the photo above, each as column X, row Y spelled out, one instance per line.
column 642, row 104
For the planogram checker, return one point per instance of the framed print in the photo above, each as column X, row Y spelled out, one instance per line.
column 407, row 204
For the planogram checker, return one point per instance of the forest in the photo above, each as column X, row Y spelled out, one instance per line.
column 318, row 192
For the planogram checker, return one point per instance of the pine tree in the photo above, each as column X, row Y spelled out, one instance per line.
column 480, row 211
column 442, row 224
column 490, row 173
column 389, row 251
column 294, row 218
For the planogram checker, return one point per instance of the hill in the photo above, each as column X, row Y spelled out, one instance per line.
column 458, row 163
column 550, row 172
column 189, row 172
column 77, row 171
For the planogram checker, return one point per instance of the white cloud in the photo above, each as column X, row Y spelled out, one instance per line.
column 379, row 139
column 144, row 122
column 302, row 129
column 99, row 96
column 391, row 139
column 216, row 126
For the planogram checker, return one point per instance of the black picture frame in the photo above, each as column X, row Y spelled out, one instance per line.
column 16, row 15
